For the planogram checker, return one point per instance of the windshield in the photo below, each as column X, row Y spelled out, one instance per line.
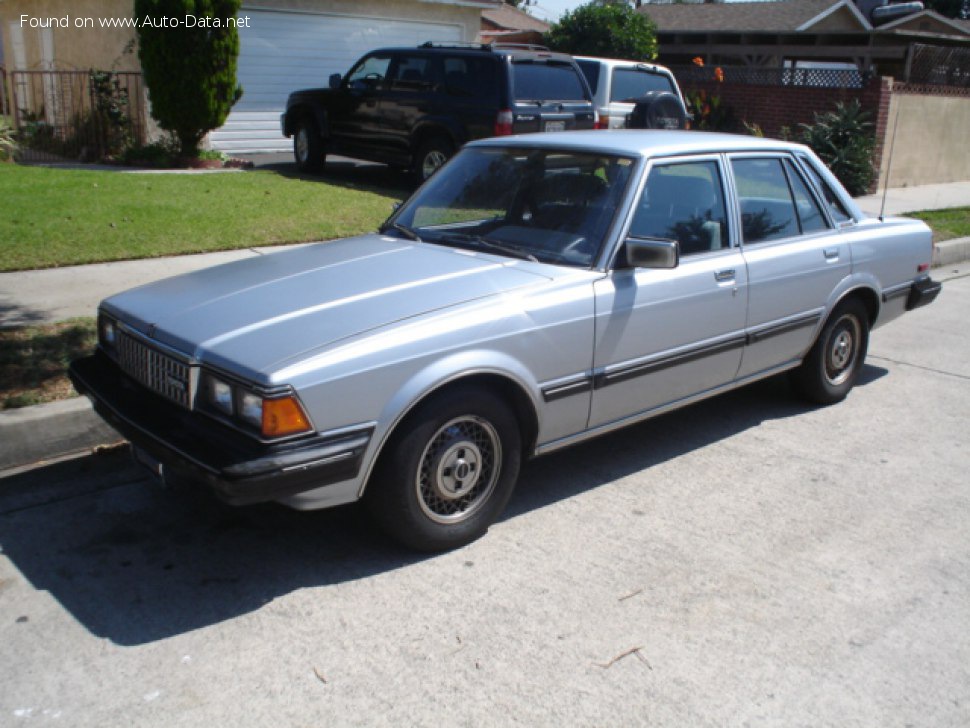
column 539, row 204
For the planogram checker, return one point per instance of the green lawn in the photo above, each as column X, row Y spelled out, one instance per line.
column 947, row 224
column 56, row 217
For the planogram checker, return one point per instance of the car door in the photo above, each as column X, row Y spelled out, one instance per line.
column 665, row 335
column 355, row 120
column 795, row 259
column 408, row 98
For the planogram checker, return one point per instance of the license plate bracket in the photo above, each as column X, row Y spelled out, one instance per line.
column 555, row 126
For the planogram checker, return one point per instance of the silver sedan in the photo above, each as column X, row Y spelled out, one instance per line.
column 537, row 291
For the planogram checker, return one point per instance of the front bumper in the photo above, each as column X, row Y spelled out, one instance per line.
column 236, row 467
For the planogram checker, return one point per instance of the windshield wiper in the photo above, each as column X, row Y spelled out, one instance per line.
column 477, row 240
column 404, row 230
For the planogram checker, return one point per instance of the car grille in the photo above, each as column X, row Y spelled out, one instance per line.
column 161, row 373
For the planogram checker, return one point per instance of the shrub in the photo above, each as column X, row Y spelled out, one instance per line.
column 190, row 72
column 844, row 139
column 612, row 30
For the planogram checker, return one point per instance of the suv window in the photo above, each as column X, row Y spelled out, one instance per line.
column 412, row 73
column 683, row 201
column 590, row 69
column 369, row 73
column 546, row 82
column 775, row 202
column 471, row 77
column 632, row 83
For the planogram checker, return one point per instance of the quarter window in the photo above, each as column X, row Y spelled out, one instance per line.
column 832, row 201
column 683, row 202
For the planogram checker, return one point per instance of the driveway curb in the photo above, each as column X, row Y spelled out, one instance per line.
column 951, row 251
column 47, row 431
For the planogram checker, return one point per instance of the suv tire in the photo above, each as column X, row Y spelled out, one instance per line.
column 308, row 147
column 430, row 156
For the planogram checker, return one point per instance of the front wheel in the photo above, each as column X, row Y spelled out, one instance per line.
column 832, row 366
column 448, row 472
column 308, row 150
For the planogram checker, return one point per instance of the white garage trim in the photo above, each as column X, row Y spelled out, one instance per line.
column 282, row 51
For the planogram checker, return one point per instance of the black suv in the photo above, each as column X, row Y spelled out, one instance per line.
column 414, row 107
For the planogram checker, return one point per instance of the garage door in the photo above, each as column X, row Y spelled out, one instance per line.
column 281, row 52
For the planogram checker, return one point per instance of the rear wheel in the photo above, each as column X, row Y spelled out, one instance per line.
column 448, row 472
column 430, row 157
column 308, row 149
column 832, row 366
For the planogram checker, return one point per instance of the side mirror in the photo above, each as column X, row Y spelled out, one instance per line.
column 652, row 253
column 335, row 79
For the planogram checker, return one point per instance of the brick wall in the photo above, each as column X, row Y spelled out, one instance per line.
column 777, row 107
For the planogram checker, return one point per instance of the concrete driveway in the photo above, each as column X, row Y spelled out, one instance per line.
column 747, row 561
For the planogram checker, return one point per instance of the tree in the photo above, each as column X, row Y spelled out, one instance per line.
column 611, row 29
column 190, row 70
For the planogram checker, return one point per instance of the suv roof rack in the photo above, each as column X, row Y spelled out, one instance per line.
column 484, row 46
column 454, row 44
column 519, row 46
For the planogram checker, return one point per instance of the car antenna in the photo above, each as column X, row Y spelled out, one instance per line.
column 889, row 163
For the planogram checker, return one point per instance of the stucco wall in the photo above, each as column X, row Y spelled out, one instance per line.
column 84, row 48
column 73, row 48
column 931, row 139
column 468, row 17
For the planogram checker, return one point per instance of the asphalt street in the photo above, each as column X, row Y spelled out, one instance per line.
column 747, row 561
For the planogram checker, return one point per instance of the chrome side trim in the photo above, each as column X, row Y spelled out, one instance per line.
column 897, row 291
column 647, row 414
column 621, row 374
column 767, row 331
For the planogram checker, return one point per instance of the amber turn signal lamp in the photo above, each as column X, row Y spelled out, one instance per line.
column 283, row 416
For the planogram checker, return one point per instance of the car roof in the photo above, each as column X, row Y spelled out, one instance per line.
column 642, row 142
column 620, row 63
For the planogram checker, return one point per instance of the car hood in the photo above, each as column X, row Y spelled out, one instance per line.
column 249, row 315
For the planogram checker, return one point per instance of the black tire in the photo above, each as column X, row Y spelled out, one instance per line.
column 429, row 157
column 448, row 471
column 832, row 366
column 308, row 148
column 658, row 110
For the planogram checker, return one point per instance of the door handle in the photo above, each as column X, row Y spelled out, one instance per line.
column 723, row 276
column 831, row 253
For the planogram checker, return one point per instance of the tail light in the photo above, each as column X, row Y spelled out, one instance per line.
column 922, row 267
column 602, row 121
column 503, row 123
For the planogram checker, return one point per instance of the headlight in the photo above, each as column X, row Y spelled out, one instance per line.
column 218, row 394
column 271, row 417
column 251, row 410
column 107, row 332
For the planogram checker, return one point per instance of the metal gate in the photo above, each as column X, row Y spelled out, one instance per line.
column 82, row 116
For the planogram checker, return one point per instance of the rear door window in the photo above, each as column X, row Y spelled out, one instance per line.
column 471, row 78
column 546, row 82
column 632, row 83
column 412, row 73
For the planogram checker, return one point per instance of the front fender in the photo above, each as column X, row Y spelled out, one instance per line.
column 439, row 374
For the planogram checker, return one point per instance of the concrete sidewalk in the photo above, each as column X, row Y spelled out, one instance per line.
column 48, row 431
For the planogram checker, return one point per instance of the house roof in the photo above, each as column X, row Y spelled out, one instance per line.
column 929, row 21
column 783, row 16
column 507, row 18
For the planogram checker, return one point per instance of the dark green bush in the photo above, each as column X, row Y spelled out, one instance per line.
column 844, row 139
column 190, row 72
column 612, row 31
